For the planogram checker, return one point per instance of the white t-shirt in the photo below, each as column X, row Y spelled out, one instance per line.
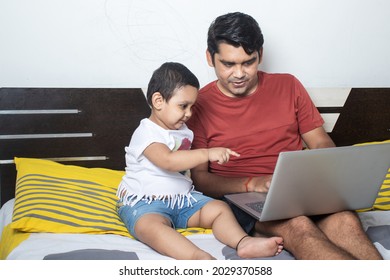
column 143, row 179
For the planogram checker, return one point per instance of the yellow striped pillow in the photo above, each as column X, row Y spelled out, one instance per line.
column 52, row 197
column 382, row 201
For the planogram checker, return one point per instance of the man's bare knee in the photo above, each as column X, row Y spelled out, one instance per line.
column 345, row 220
column 297, row 227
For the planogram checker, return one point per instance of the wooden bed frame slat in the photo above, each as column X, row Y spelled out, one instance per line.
column 94, row 113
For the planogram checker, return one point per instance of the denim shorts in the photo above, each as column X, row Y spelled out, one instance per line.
column 177, row 216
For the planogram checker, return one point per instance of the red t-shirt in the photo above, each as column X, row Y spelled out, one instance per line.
column 258, row 126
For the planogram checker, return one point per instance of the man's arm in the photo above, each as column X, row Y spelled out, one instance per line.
column 216, row 186
column 317, row 138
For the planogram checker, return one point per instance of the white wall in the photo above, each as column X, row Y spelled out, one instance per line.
column 118, row 43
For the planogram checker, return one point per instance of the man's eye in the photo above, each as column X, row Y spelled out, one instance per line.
column 248, row 63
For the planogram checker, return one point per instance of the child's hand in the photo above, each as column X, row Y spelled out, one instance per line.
column 221, row 155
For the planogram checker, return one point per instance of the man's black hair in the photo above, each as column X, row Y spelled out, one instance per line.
column 236, row 29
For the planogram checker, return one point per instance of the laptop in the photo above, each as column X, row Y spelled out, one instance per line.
column 320, row 181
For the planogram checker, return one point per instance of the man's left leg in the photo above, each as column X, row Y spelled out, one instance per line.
column 345, row 230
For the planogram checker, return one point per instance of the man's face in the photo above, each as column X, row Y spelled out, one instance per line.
column 235, row 69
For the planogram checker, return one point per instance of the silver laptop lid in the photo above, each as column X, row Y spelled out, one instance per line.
column 320, row 181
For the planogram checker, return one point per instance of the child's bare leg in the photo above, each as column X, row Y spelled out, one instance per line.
column 155, row 231
column 218, row 215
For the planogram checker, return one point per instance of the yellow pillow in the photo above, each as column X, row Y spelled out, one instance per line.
column 58, row 198
column 382, row 202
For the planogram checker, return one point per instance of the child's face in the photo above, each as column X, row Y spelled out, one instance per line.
column 178, row 109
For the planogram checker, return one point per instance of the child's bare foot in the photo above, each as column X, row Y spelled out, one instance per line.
column 258, row 247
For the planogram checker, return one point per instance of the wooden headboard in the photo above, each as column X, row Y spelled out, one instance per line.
column 364, row 117
column 86, row 127
column 91, row 127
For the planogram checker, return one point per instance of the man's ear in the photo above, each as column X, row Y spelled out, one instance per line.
column 209, row 58
column 157, row 100
column 260, row 55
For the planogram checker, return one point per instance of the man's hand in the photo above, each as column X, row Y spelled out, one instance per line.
column 260, row 184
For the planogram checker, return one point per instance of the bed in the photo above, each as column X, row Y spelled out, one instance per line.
column 62, row 157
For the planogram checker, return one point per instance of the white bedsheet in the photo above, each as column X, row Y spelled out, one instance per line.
column 44, row 245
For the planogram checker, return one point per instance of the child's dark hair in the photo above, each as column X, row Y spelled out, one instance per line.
column 236, row 29
column 168, row 77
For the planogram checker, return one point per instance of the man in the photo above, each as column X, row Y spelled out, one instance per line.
column 259, row 115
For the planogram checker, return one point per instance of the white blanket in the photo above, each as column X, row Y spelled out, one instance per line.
column 88, row 246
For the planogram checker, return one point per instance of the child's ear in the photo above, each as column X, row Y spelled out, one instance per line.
column 157, row 100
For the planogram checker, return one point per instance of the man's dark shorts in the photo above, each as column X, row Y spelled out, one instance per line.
column 246, row 221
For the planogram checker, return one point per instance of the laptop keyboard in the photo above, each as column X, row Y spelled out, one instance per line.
column 257, row 206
